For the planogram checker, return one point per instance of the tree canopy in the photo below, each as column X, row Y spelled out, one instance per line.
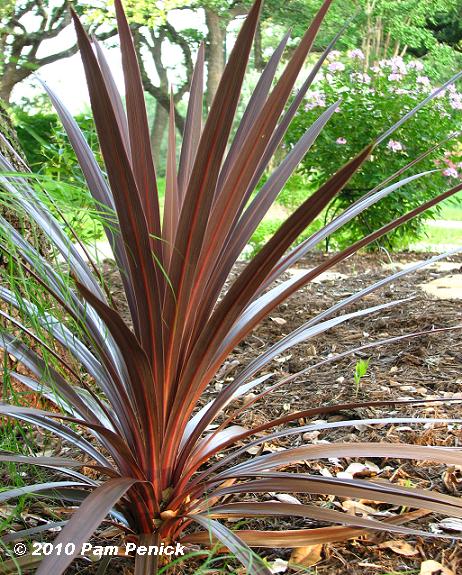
column 26, row 25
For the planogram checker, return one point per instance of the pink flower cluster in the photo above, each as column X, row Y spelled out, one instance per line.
column 360, row 78
column 424, row 81
column 416, row 65
column 334, row 55
column 395, row 69
column 455, row 101
column 356, row 53
column 396, row 64
column 317, row 99
column 450, row 173
column 336, row 66
column 451, row 169
column 395, row 146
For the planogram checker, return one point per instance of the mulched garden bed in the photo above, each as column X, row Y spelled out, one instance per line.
column 420, row 368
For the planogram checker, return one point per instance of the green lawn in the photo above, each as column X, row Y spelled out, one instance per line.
column 442, row 237
column 438, row 237
column 451, row 211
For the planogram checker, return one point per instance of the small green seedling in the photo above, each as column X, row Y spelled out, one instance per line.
column 360, row 371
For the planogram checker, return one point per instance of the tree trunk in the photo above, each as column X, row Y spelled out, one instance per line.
column 7, row 129
column 259, row 61
column 157, row 136
column 215, row 52
column 11, row 76
column 27, row 229
column 5, row 93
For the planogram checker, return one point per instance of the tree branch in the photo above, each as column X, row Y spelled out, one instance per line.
column 160, row 94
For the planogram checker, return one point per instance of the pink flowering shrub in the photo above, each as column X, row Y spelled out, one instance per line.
column 395, row 146
column 372, row 98
column 451, row 164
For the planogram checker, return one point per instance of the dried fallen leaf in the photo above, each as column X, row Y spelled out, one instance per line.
column 278, row 320
column 278, row 566
column 452, row 478
column 325, row 472
column 265, row 448
column 400, row 547
column 357, row 508
column 367, row 469
column 311, row 351
column 248, row 398
column 306, row 556
column 286, row 498
column 311, row 435
column 431, row 567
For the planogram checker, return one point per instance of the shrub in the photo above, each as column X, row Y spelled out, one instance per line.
column 150, row 459
column 261, row 235
column 47, row 147
column 295, row 192
column 371, row 97
column 52, row 159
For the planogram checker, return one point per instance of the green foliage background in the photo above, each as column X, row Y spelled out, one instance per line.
column 51, row 157
column 372, row 100
column 426, row 29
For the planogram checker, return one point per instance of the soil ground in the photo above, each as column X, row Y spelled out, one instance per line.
column 420, row 368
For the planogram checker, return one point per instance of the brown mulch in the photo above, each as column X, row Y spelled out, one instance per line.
column 420, row 368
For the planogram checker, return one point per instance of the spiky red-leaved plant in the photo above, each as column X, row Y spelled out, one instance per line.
column 137, row 391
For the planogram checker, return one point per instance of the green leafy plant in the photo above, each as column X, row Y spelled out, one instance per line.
column 52, row 159
column 47, row 147
column 159, row 460
column 372, row 96
column 361, row 368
